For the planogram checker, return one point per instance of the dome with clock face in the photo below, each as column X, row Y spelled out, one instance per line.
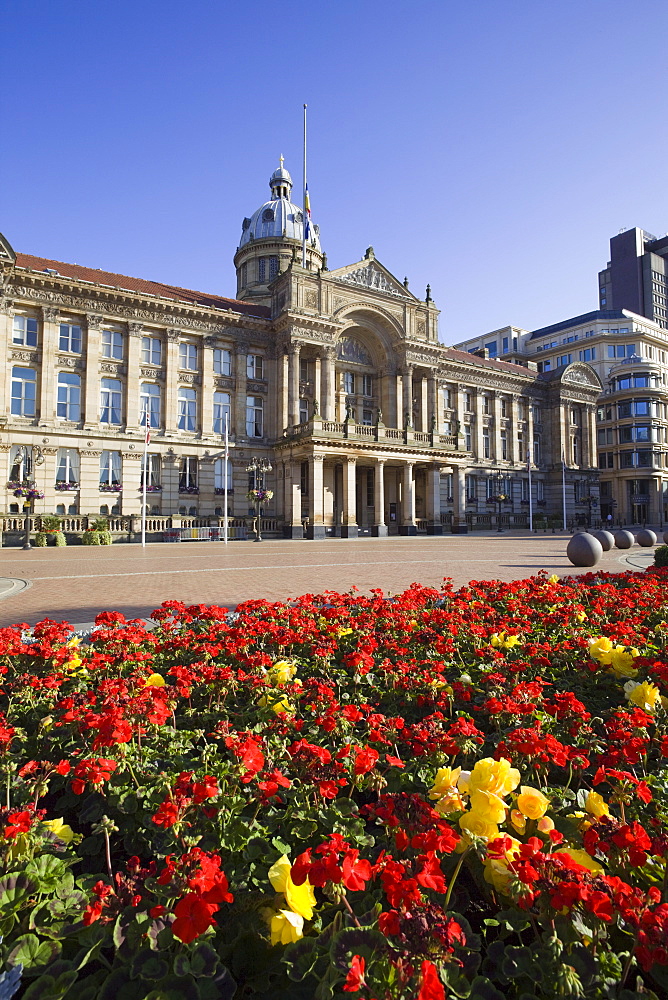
column 279, row 218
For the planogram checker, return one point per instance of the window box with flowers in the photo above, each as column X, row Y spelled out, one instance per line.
column 152, row 489
column 220, row 491
column 66, row 487
column 191, row 490
column 29, row 493
column 111, row 488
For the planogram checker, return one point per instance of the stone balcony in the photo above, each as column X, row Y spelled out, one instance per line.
column 336, row 431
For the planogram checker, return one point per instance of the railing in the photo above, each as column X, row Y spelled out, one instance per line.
column 374, row 432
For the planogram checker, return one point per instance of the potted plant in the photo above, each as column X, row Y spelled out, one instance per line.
column 51, row 527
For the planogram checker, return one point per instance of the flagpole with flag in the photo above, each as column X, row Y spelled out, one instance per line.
column 530, row 497
column 306, row 227
column 227, row 452
column 563, row 484
column 147, row 441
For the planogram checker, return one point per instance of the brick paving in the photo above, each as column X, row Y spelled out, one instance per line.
column 74, row 584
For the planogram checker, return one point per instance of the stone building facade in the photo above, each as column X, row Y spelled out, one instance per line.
column 335, row 377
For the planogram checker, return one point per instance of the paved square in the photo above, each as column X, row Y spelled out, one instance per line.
column 75, row 584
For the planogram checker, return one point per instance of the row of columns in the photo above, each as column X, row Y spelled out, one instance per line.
column 292, row 497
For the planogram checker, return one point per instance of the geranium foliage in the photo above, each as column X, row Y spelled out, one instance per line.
column 436, row 794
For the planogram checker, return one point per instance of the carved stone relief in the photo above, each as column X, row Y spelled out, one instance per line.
column 372, row 277
column 155, row 373
column 190, row 378
column 112, row 369
column 25, row 356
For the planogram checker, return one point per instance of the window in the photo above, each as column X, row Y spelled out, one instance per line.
column 110, row 401
column 222, row 361
column 621, row 350
column 367, row 417
column 188, row 475
column 303, row 479
column 504, row 446
column 485, row 444
column 69, row 396
column 254, row 366
column 149, row 401
column 643, row 458
column 367, row 385
column 370, row 479
column 67, row 469
column 575, row 450
column 153, row 481
column 504, row 407
column 188, row 356
column 525, row 490
column 540, row 491
column 25, row 331
column 112, row 344
column 468, row 402
column 273, row 267
column 521, row 410
column 536, row 451
column 642, row 433
column 505, row 345
column 535, row 410
column 564, row 359
column 577, row 491
column 604, row 435
column 544, row 366
column 447, row 399
column 624, row 409
column 486, row 404
column 110, row 468
column 70, row 338
column 24, row 392
column 20, row 463
column 304, row 370
column 221, row 412
column 467, row 437
column 589, row 354
column 303, row 411
column 151, row 350
column 219, row 479
column 642, row 407
column 187, row 402
column 349, row 383
column 262, row 269
column 491, row 348
column 471, row 485
column 575, row 416
column 254, row 416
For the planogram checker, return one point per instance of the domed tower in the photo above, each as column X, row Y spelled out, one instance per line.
column 271, row 239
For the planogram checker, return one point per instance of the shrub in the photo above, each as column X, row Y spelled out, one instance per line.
column 661, row 556
column 91, row 537
column 105, row 537
column 51, row 522
column 40, row 540
column 59, row 539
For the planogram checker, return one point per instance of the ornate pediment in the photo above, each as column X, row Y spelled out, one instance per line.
column 581, row 374
column 7, row 255
column 372, row 275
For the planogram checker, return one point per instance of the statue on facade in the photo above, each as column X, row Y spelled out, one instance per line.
column 316, row 408
column 407, row 420
column 379, row 416
column 433, row 423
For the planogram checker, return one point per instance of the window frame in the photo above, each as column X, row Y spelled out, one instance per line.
column 111, row 344
column 110, row 405
column 70, row 406
column 25, row 401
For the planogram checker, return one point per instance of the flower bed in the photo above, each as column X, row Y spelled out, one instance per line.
column 443, row 794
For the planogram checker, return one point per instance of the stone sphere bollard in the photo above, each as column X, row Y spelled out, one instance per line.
column 646, row 538
column 584, row 550
column 665, row 537
column 606, row 538
column 624, row 539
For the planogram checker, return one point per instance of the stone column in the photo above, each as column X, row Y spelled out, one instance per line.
column 170, row 483
column 379, row 528
column 407, row 526
column 399, row 415
column 132, row 464
column 241, row 390
column 292, row 527
column 171, row 415
column 92, row 391
column 206, row 480
column 478, row 450
column 133, row 378
column 460, row 397
column 407, row 379
column 206, row 430
column 283, row 410
column 496, row 447
column 459, row 523
column 294, row 352
column 47, row 389
column 434, row 526
column 327, row 403
column 316, row 522
column 349, row 520
column 317, row 388
column 424, row 404
column 435, row 409
column 514, row 451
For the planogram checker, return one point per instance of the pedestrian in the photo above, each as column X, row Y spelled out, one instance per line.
column 609, row 521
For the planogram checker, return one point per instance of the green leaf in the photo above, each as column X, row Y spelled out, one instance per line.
column 48, row 872
column 351, row 941
column 204, row 961
column 300, row 957
column 181, row 966
column 13, row 888
column 148, row 965
column 120, row 985
column 483, row 989
column 175, row 988
column 50, row 988
column 32, row 953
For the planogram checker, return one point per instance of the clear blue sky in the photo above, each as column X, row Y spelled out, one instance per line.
column 489, row 148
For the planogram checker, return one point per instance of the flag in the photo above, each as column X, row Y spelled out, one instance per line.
column 307, row 220
column 147, row 439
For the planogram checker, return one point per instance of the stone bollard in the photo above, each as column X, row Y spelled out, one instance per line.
column 665, row 537
column 606, row 538
column 584, row 550
column 646, row 538
column 624, row 539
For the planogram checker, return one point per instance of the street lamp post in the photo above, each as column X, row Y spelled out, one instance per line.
column 259, row 495
column 499, row 499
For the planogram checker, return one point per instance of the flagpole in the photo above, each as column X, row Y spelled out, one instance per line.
column 304, row 200
column 563, row 485
column 530, row 497
column 143, row 498
column 227, row 452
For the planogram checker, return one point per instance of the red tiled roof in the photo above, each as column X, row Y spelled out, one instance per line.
column 76, row 271
column 491, row 363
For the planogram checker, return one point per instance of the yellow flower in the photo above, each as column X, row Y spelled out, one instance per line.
column 59, row 829
column 518, row 821
column 645, row 696
column 532, row 803
column 477, row 826
column 499, row 640
column 281, row 672
column 600, row 649
column 581, row 858
column 155, row 681
column 495, row 776
column 73, row 663
column 445, row 781
column 73, row 642
column 553, row 579
column 596, row 805
column 279, row 706
column 545, row 824
column 580, row 617
column 621, row 661
column 488, row 806
column 449, row 803
column 495, row 870
column 300, row 898
column 286, row 927
column 344, row 631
